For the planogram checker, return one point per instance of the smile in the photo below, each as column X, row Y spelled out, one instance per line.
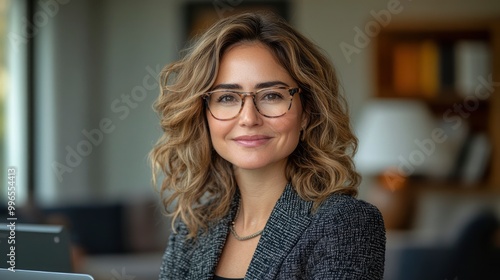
column 252, row 140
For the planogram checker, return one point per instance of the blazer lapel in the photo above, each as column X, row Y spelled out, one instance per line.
column 290, row 217
column 209, row 248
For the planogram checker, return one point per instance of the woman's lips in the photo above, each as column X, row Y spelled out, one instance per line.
column 252, row 140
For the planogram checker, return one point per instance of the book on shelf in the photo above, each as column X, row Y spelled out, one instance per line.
column 446, row 68
column 407, row 68
column 429, row 68
column 473, row 60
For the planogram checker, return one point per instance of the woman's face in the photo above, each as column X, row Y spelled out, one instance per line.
column 251, row 140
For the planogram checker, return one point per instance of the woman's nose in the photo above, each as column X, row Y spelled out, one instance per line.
column 249, row 115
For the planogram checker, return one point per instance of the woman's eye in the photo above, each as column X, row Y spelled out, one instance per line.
column 272, row 96
column 227, row 98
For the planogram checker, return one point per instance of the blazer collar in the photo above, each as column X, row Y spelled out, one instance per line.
column 209, row 245
column 290, row 217
column 288, row 220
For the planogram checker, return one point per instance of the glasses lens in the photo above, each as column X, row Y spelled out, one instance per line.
column 273, row 102
column 224, row 104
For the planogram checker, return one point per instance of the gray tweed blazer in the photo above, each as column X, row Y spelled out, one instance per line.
column 343, row 239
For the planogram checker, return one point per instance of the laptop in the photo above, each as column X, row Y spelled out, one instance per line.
column 20, row 274
column 35, row 247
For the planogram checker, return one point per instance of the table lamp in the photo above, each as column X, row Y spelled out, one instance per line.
column 397, row 139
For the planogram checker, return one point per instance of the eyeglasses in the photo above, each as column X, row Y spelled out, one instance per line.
column 270, row 102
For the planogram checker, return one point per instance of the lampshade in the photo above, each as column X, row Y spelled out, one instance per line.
column 402, row 135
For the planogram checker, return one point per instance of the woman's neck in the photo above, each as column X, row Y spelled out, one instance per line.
column 259, row 193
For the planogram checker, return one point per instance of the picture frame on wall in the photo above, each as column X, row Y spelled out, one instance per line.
column 201, row 15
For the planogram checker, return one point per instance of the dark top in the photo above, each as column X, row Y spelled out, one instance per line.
column 343, row 239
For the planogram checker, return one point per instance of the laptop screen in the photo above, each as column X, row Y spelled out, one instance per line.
column 35, row 247
column 5, row 274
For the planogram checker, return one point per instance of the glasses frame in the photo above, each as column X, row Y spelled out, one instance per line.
column 242, row 94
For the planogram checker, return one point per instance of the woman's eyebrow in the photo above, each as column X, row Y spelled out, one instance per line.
column 270, row 84
column 227, row 86
column 258, row 86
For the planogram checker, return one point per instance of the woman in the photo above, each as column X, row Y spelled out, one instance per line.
column 257, row 161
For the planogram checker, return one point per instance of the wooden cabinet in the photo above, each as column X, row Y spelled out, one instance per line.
column 454, row 67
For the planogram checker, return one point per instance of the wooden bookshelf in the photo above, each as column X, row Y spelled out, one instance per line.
column 440, row 63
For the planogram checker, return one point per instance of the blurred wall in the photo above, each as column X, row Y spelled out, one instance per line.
column 96, row 69
column 95, row 66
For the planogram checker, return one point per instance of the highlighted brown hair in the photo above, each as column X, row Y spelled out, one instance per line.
column 198, row 185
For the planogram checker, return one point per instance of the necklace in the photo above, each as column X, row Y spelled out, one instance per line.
column 242, row 238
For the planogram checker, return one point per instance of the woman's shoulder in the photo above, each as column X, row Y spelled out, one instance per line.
column 341, row 208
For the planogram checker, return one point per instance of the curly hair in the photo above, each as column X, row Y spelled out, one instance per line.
column 198, row 185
